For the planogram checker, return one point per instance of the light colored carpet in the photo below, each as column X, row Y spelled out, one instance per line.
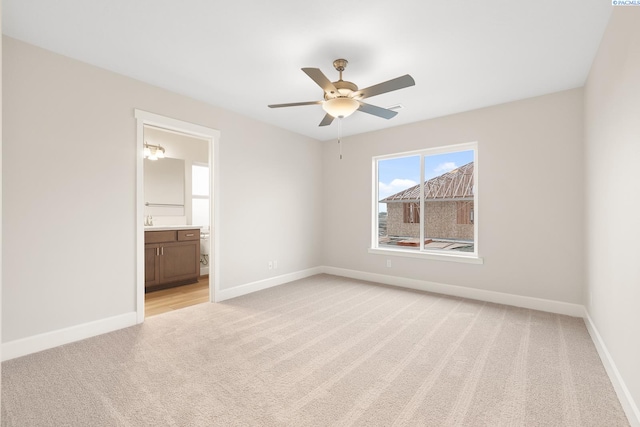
column 322, row 351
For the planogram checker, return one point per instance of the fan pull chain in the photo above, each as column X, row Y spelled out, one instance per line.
column 340, row 136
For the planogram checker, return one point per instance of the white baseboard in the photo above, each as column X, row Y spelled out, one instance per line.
column 47, row 340
column 575, row 310
column 626, row 400
column 225, row 294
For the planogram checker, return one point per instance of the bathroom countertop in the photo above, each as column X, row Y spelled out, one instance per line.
column 170, row 227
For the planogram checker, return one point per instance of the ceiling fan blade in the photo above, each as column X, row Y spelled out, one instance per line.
column 377, row 111
column 384, row 87
column 320, row 79
column 294, row 104
column 327, row 120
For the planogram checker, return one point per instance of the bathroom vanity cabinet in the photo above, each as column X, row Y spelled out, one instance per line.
column 172, row 258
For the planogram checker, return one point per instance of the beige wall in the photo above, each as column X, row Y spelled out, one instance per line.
column 536, row 143
column 612, row 141
column 69, row 171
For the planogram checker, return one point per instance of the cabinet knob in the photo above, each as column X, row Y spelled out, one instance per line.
column 190, row 235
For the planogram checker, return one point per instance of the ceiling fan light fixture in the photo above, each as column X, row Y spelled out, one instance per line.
column 340, row 107
column 342, row 98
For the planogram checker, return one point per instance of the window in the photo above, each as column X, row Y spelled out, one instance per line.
column 200, row 195
column 464, row 212
column 411, row 213
column 425, row 203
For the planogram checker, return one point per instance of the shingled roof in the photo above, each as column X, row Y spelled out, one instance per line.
column 456, row 184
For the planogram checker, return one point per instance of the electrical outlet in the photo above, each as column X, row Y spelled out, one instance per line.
column 270, row 265
column 389, row 263
column 275, row 264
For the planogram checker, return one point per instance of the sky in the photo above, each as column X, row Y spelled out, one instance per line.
column 395, row 175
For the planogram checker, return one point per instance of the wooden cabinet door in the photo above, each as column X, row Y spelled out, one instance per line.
column 151, row 265
column 180, row 261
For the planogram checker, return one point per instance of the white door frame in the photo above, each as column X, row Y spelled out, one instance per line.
column 213, row 137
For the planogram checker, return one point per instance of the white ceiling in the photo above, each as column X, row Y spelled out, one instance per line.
column 242, row 55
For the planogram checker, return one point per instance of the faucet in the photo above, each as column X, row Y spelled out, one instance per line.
column 148, row 220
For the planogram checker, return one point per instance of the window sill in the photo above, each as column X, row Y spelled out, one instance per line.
column 464, row 258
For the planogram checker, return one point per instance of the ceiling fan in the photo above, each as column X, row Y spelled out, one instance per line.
column 342, row 98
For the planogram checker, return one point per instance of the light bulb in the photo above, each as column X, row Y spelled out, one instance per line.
column 160, row 152
column 147, row 151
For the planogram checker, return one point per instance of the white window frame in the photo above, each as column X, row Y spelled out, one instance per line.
column 464, row 257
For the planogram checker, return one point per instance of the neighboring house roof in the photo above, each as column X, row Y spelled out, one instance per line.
column 456, row 184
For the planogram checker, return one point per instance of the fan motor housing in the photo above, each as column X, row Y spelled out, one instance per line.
column 344, row 87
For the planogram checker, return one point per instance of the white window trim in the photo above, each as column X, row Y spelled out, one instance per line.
column 463, row 257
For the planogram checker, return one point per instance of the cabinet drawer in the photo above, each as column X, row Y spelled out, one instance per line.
column 159, row 236
column 188, row 235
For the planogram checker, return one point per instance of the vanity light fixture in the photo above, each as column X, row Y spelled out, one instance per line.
column 153, row 152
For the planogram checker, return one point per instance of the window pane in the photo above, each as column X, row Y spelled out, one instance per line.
column 200, row 180
column 399, row 210
column 449, row 202
column 200, row 212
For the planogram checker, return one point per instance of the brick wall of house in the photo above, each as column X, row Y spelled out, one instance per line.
column 395, row 222
column 441, row 222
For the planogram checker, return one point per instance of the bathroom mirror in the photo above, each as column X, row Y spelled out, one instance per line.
column 164, row 185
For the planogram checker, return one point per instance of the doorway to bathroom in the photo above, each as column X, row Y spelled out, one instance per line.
column 176, row 218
